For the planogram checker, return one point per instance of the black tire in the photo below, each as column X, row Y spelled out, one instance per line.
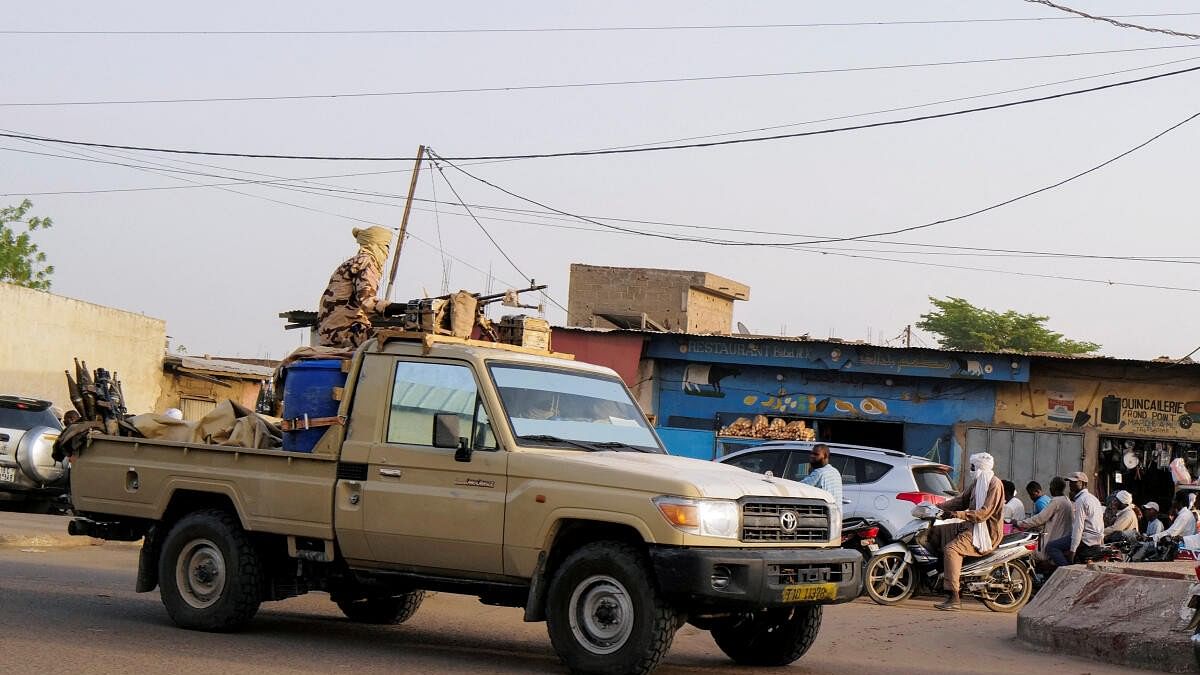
column 1021, row 588
column 209, row 576
column 604, row 614
column 883, row 584
column 383, row 610
column 770, row 637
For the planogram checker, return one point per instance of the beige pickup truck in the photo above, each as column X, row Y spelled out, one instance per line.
column 528, row 480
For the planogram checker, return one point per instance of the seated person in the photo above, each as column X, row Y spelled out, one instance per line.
column 1125, row 523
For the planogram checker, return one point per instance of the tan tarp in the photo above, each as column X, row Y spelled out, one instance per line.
column 229, row 424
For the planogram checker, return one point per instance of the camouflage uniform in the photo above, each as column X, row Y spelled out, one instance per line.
column 343, row 317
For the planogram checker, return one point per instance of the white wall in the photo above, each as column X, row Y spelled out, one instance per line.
column 41, row 334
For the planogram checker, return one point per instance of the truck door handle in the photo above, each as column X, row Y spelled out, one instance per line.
column 845, row 501
column 391, row 473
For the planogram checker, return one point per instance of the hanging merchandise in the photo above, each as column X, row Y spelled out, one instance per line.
column 1130, row 460
column 1179, row 472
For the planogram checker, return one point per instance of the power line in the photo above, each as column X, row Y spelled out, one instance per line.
column 624, row 151
column 574, row 29
column 1018, row 198
column 556, row 215
column 830, row 240
column 1104, row 282
column 577, row 85
column 481, row 227
column 308, row 179
column 1110, row 20
column 816, row 252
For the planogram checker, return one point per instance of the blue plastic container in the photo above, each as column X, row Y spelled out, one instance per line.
column 308, row 390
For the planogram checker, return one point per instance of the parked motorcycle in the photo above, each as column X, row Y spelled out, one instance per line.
column 859, row 534
column 1002, row 580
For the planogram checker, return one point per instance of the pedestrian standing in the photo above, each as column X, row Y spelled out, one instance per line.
column 1087, row 524
column 1040, row 500
column 1055, row 519
column 823, row 476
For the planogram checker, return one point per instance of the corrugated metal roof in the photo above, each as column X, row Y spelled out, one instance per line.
column 835, row 341
column 244, row 371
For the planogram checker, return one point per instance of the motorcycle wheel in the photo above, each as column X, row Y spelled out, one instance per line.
column 1020, row 588
column 886, row 583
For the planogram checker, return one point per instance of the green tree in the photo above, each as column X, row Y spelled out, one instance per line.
column 961, row 325
column 21, row 262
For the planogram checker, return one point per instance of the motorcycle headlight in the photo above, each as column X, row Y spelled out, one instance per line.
column 704, row 517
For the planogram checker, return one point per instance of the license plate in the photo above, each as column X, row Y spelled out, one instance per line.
column 873, row 547
column 8, row 474
column 809, row 592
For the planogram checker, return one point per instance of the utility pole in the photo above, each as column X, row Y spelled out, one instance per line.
column 412, row 187
column 908, row 335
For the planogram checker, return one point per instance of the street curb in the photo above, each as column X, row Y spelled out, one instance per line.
column 1134, row 620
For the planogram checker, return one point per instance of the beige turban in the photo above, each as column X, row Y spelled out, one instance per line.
column 374, row 240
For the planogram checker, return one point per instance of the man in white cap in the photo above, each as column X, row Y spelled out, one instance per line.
column 1087, row 524
column 981, row 507
column 1125, row 525
column 1153, row 524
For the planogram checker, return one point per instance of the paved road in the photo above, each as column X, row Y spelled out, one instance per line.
column 72, row 610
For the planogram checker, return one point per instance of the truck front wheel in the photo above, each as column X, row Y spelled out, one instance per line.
column 772, row 637
column 209, row 574
column 383, row 610
column 604, row 613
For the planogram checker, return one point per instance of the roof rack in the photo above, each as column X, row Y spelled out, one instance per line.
column 428, row 340
column 865, row 448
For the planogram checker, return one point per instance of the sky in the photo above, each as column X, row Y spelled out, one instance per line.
column 220, row 266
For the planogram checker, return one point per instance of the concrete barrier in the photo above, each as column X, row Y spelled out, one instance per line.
column 1129, row 615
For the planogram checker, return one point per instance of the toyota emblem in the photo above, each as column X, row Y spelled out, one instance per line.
column 788, row 520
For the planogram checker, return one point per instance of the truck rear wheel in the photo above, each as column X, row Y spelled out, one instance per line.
column 208, row 572
column 772, row 637
column 604, row 613
column 383, row 610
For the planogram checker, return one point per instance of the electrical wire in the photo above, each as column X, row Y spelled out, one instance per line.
column 1104, row 282
column 941, row 221
column 578, row 85
column 337, row 193
column 623, row 151
column 575, row 29
column 487, row 234
column 1114, row 22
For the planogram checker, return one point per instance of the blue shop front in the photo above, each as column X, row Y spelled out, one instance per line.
column 710, row 389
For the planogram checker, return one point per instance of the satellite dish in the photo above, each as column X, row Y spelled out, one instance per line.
column 742, row 330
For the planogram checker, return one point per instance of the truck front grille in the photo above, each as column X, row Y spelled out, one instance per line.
column 785, row 520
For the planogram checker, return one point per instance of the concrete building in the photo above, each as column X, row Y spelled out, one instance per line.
column 658, row 299
column 43, row 333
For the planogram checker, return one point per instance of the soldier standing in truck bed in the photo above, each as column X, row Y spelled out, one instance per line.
column 346, row 307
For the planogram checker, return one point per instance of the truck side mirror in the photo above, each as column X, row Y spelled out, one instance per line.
column 464, row 451
column 445, row 430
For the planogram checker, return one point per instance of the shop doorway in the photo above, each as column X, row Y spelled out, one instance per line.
column 886, row 435
column 1142, row 467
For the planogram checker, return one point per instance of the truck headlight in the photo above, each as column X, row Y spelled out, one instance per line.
column 704, row 517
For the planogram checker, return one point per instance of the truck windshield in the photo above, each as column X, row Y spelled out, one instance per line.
column 572, row 406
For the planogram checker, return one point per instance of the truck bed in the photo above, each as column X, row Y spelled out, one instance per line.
column 273, row 491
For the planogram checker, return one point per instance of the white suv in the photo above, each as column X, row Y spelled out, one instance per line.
column 877, row 485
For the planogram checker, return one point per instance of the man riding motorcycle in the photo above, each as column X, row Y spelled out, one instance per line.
column 981, row 507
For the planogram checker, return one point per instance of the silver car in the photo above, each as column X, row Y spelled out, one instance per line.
column 877, row 485
column 30, row 479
